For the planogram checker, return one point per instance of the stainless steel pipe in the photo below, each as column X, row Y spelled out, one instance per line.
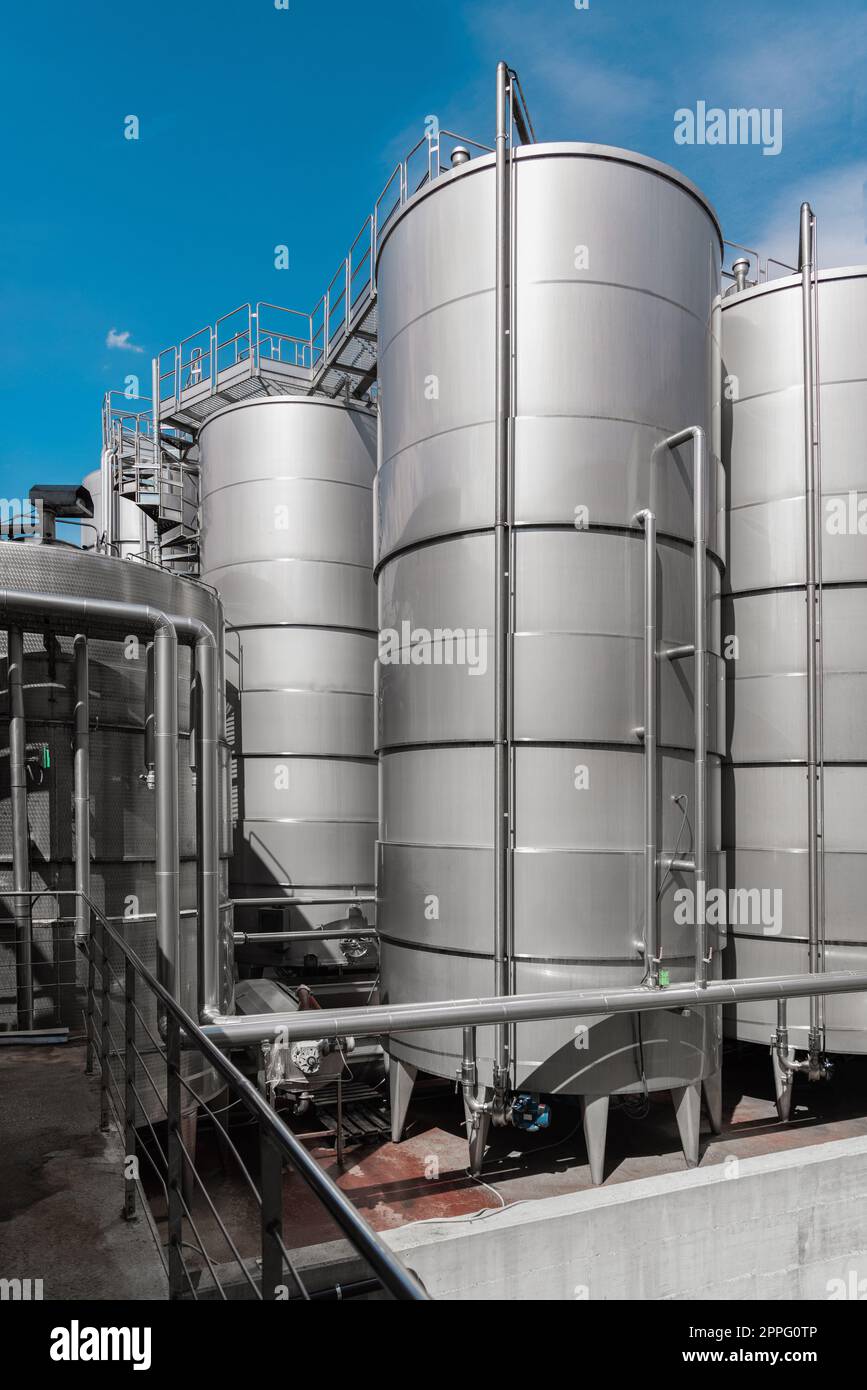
column 371, row 1021
column 812, row 503
column 697, row 436
column 114, row 619
column 652, row 948
column 23, row 910
column 502, row 580
column 81, row 787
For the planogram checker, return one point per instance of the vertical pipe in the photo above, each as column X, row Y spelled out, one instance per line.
column 20, row 832
column 166, row 768
column 651, row 829
column 81, row 783
column 174, row 1158
column 149, row 717
column 129, row 1097
column 105, row 489
column 207, row 824
column 502, row 834
column 810, row 503
column 700, row 696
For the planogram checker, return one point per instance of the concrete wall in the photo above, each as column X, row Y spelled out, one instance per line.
column 783, row 1226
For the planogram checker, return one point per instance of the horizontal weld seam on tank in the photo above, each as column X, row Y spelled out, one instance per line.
column 642, row 290
column 305, row 690
column 356, row 758
column 652, row 425
column 411, row 945
column 789, row 940
column 607, row 745
column 302, row 627
column 667, row 538
column 289, row 398
column 288, row 478
column 795, row 587
column 289, row 560
column 308, row 820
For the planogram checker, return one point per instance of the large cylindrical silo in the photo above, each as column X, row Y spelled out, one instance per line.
column 286, row 541
column 615, row 262
column 767, row 828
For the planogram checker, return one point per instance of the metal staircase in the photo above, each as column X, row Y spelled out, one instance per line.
column 255, row 350
column 265, row 349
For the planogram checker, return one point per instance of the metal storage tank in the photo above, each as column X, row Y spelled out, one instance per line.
column 767, row 823
column 615, row 263
column 136, row 531
column 122, row 825
column 287, row 541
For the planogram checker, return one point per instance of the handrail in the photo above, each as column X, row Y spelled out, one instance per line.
column 398, row 1280
column 180, row 1025
column 353, row 286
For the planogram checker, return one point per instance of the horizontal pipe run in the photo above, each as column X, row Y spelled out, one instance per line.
column 254, row 938
column 376, row 1020
column 683, row 866
column 333, row 900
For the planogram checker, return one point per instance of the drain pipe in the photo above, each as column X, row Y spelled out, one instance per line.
column 502, row 590
column 20, row 833
column 245, row 1030
column 207, row 822
column 652, row 944
column 814, row 826
column 81, row 775
column 698, row 864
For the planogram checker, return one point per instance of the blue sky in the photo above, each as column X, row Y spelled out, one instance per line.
column 262, row 126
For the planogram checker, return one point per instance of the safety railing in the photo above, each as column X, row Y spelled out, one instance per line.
column 760, row 270
column 263, row 338
column 217, row 1165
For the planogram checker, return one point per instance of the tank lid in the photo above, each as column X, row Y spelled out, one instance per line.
column 566, row 149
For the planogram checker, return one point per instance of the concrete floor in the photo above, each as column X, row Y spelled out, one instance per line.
column 425, row 1177
column 61, row 1185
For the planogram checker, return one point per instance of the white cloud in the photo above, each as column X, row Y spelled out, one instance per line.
column 839, row 200
column 121, row 341
column 813, row 71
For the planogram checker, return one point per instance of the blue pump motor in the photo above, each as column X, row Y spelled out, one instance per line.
column 530, row 1113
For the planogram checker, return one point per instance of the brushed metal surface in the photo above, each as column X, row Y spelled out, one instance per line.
column 287, row 542
column 765, row 790
column 122, row 828
column 608, row 360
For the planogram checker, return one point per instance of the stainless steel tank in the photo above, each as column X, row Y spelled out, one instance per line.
column 615, row 266
column 136, row 531
column 287, row 542
column 765, row 800
column 122, row 832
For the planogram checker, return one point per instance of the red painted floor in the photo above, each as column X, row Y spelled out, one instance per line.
column 425, row 1177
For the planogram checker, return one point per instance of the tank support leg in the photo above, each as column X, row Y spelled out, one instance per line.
column 712, row 1087
column 401, row 1080
column 478, row 1125
column 687, row 1108
column 784, row 1083
column 595, row 1112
